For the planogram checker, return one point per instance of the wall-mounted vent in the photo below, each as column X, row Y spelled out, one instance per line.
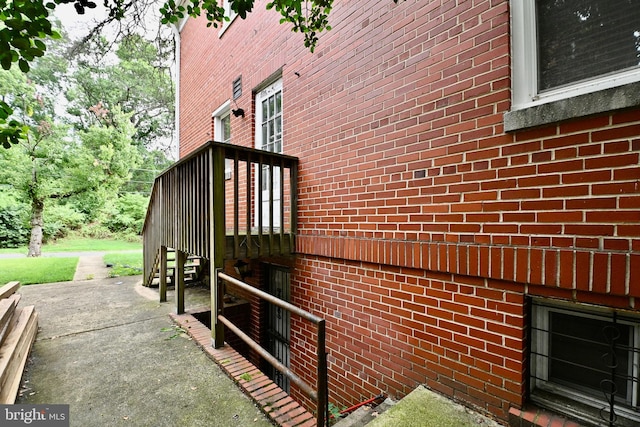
column 237, row 87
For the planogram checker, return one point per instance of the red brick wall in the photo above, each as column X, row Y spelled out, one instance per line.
column 422, row 224
column 391, row 329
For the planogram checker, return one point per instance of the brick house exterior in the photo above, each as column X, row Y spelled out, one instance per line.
column 443, row 226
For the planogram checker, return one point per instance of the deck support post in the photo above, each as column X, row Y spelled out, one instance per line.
column 179, row 281
column 218, row 309
column 218, row 241
column 162, row 287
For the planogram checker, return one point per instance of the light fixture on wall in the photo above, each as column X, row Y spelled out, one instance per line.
column 242, row 269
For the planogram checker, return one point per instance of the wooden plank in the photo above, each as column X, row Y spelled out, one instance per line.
column 9, row 289
column 179, row 281
column 163, row 274
column 281, row 211
column 248, row 209
column 29, row 338
column 236, row 206
column 7, row 308
column 14, row 352
column 218, row 242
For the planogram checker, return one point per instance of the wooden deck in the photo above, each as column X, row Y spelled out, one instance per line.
column 196, row 210
column 272, row 400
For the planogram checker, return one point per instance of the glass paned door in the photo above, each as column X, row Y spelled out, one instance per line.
column 269, row 138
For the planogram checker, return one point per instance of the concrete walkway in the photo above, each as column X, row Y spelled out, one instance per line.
column 91, row 267
column 108, row 349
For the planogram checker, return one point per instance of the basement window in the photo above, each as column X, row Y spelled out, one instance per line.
column 585, row 362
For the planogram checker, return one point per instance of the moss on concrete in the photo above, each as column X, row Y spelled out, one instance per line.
column 424, row 408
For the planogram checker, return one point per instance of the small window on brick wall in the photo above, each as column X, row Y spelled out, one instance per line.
column 586, row 358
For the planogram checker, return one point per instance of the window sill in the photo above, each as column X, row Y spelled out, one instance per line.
column 580, row 411
column 603, row 101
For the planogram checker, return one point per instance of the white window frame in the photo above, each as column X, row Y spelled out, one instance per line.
column 540, row 354
column 264, row 92
column 524, row 50
column 229, row 13
column 222, row 111
column 260, row 95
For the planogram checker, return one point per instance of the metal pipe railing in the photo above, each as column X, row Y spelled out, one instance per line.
column 320, row 394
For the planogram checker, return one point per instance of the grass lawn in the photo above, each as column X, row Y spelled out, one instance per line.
column 124, row 264
column 37, row 270
column 76, row 244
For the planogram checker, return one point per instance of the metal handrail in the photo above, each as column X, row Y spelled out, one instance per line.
column 320, row 394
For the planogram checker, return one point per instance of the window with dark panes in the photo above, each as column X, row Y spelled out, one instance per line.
column 582, row 39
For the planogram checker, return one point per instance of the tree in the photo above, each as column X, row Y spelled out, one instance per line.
column 51, row 164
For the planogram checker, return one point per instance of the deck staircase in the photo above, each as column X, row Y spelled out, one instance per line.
column 195, row 210
column 195, row 271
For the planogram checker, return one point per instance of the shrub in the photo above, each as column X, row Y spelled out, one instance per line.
column 14, row 230
column 59, row 220
column 96, row 230
column 126, row 215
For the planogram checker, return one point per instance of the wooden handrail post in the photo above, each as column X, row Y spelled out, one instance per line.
column 178, row 277
column 218, row 240
column 218, row 309
column 162, row 287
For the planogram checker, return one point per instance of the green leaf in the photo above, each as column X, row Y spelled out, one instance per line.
column 24, row 65
column 6, row 61
column 21, row 43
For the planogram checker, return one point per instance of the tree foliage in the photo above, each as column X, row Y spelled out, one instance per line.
column 24, row 29
column 53, row 166
column 308, row 17
column 137, row 81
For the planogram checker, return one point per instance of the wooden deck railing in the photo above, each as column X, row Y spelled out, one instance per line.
column 195, row 207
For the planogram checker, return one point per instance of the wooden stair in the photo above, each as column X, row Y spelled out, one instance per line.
column 193, row 268
column 18, row 329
